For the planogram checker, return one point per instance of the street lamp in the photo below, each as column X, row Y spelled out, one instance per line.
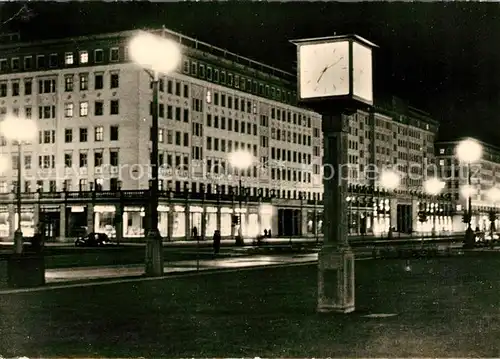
column 155, row 55
column 389, row 180
column 241, row 160
column 18, row 130
column 469, row 151
column 433, row 187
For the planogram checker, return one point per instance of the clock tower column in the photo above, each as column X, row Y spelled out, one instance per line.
column 335, row 80
column 336, row 260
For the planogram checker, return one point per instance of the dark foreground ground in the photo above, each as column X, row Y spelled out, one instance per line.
column 446, row 307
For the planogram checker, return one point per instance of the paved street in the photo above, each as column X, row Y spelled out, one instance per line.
column 443, row 307
column 229, row 259
column 106, row 272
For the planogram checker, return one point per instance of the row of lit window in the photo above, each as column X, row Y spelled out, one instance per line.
column 50, row 85
column 114, row 108
column 49, row 112
column 83, row 134
column 83, row 81
column 52, row 61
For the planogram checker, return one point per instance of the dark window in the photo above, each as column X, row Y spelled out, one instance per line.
column 99, row 82
column 114, row 81
column 40, row 61
column 53, row 60
column 115, row 107
column 98, row 56
column 114, row 54
column 99, row 108
column 113, row 133
column 28, row 63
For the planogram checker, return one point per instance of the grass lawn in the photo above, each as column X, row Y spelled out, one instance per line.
column 446, row 307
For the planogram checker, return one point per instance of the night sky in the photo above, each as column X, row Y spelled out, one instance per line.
column 442, row 57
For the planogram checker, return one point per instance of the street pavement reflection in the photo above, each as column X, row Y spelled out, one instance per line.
column 123, row 271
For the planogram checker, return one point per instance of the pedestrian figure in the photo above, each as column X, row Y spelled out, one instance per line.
column 37, row 243
column 195, row 233
column 265, row 232
column 216, row 243
column 269, row 234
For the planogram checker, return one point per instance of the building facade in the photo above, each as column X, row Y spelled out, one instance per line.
column 485, row 175
column 89, row 167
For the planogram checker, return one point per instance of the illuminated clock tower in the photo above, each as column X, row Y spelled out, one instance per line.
column 334, row 78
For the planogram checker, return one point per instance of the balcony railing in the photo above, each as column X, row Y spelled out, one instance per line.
column 142, row 195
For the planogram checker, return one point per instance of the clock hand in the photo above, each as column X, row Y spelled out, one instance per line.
column 327, row 67
column 322, row 73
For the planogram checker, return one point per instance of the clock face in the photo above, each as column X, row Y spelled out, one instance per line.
column 362, row 72
column 324, row 69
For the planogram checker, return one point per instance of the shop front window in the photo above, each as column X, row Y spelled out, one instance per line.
column 266, row 214
column 133, row 222
column 225, row 221
column 210, row 221
column 310, row 222
column 179, row 222
column 4, row 223
column 252, row 228
column 163, row 220
column 27, row 221
column 195, row 220
column 105, row 220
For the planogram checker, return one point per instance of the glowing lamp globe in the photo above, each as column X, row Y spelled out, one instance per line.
column 154, row 52
column 494, row 194
column 469, row 150
column 467, row 191
column 389, row 180
column 18, row 129
column 241, row 159
column 433, row 186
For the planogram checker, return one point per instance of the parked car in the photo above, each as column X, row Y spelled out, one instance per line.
column 94, row 240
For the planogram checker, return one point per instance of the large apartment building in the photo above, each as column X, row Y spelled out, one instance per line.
column 89, row 163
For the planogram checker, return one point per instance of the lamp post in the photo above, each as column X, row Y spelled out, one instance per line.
column 241, row 160
column 19, row 131
column 433, row 187
column 469, row 151
column 155, row 55
column 389, row 180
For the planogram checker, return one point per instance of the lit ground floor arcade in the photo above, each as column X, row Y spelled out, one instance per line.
column 66, row 217
column 179, row 219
